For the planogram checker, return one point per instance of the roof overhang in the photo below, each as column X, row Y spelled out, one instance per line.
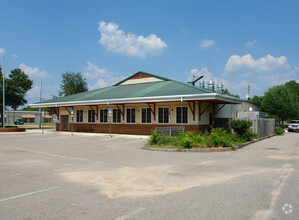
column 208, row 97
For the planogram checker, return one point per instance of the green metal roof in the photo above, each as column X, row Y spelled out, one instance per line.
column 164, row 88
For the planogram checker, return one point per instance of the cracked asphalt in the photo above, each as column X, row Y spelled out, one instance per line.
column 88, row 176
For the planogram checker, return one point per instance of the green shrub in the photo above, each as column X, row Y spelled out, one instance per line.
column 249, row 135
column 219, row 137
column 206, row 133
column 240, row 126
column 164, row 139
column 285, row 125
column 154, row 138
column 279, row 130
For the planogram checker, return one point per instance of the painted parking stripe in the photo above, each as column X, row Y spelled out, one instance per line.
column 30, row 193
column 133, row 141
column 131, row 214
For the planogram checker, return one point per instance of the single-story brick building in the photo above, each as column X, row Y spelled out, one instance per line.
column 141, row 103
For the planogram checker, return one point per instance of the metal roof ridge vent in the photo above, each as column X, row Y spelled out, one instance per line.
column 211, row 85
column 202, row 84
column 220, row 88
column 193, row 80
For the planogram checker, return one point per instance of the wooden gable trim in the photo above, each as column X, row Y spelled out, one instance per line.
column 153, row 110
column 96, row 110
column 121, row 110
column 56, row 111
column 200, row 113
column 220, row 109
column 192, row 108
column 140, row 76
column 69, row 110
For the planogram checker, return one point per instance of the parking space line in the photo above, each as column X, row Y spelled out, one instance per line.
column 31, row 193
column 54, row 155
column 133, row 141
column 128, row 215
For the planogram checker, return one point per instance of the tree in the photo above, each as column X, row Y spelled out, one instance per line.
column 72, row 83
column 28, row 108
column 16, row 86
column 226, row 92
column 280, row 101
column 257, row 99
column 294, row 88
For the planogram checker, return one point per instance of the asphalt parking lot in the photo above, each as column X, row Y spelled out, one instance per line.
column 60, row 176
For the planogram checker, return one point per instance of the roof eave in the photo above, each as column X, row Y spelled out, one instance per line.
column 192, row 97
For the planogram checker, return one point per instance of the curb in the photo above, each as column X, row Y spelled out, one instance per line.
column 206, row 149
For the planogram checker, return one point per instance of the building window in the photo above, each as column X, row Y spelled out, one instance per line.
column 103, row 115
column 79, row 115
column 91, row 116
column 130, row 115
column 116, row 116
column 181, row 114
column 163, row 115
column 146, row 116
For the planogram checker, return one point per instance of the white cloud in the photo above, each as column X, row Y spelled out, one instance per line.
column 103, row 76
column 33, row 95
column 260, row 74
column 116, row 40
column 207, row 43
column 251, row 43
column 34, row 72
column 207, row 76
column 15, row 56
column 247, row 65
column 2, row 51
column 93, row 71
column 233, row 87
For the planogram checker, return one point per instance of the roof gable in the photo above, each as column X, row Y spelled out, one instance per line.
column 141, row 77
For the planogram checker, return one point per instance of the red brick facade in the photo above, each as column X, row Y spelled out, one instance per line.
column 140, row 129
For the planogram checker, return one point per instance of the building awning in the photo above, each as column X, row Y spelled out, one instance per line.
column 48, row 116
column 28, row 116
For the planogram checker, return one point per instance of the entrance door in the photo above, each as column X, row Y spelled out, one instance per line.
column 64, row 122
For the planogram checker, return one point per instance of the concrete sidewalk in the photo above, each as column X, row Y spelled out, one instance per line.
column 53, row 131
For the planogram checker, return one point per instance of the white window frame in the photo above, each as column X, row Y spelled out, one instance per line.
column 104, row 109
column 127, row 119
column 117, row 110
column 77, row 116
column 146, row 116
column 93, row 116
column 182, row 115
column 164, row 115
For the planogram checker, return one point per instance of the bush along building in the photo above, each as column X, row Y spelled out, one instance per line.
column 144, row 102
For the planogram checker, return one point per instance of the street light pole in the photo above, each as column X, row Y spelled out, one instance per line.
column 40, row 99
column 3, row 88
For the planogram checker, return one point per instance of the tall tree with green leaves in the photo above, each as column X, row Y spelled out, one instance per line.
column 294, row 88
column 72, row 83
column 226, row 92
column 257, row 99
column 16, row 86
column 280, row 101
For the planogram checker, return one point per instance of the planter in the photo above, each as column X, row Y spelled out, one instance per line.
column 12, row 129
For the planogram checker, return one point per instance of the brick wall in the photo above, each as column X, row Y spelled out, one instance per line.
column 142, row 129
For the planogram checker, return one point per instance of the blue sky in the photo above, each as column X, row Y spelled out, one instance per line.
column 237, row 43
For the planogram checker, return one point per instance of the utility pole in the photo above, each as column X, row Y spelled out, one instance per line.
column 3, row 88
column 40, row 99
